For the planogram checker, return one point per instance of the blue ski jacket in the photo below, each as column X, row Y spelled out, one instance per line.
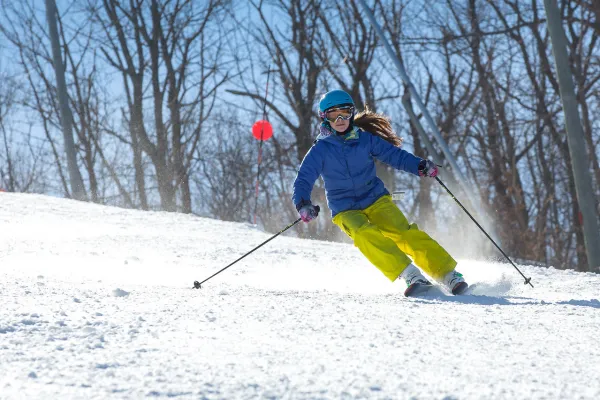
column 348, row 169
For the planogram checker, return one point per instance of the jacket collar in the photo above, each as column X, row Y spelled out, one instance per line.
column 327, row 134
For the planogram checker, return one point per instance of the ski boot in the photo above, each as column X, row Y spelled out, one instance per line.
column 455, row 283
column 416, row 283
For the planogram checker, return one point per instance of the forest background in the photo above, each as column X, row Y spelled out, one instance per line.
column 163, row 95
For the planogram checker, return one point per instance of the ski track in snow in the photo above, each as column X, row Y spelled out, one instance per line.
column 97, row 303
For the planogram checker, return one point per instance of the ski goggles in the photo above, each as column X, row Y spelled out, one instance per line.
column 343, row 113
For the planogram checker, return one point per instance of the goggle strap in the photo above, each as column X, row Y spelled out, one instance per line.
column 340, row 108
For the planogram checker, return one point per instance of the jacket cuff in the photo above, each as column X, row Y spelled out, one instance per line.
column 421, row 166
column 302, row 204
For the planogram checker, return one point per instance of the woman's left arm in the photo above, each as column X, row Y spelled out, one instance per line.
column 396, row 157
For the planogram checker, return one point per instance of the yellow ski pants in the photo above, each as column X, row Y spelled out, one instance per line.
column 382, row 233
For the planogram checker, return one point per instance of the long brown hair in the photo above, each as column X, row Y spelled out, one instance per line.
column 377, row 124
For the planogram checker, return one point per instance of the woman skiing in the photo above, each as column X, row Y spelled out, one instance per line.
column 360, row 204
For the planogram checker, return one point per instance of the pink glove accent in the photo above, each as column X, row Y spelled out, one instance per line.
column 430, row 169
column 308, row 213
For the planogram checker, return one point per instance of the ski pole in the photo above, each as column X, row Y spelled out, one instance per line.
column 197, row 285
column 527, row 280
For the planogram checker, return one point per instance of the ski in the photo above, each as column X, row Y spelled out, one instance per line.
column 432, row 291
column 418, row 288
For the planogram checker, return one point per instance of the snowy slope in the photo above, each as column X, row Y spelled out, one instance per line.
column 96, row 303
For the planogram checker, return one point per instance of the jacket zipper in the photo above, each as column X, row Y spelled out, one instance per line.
column 348, row 168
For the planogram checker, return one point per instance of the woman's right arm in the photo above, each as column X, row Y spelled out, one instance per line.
column 309, row 171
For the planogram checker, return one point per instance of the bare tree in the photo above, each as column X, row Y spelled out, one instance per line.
column 348, row 46
column 293, row 55
column 583, row 42
column 224, row 176
column 19, row 160
column 168, row 42
column 27, row 32
column 115, row 47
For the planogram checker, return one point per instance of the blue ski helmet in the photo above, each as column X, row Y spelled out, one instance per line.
column 334, row 98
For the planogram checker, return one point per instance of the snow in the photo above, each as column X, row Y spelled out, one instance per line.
column 97, row 302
